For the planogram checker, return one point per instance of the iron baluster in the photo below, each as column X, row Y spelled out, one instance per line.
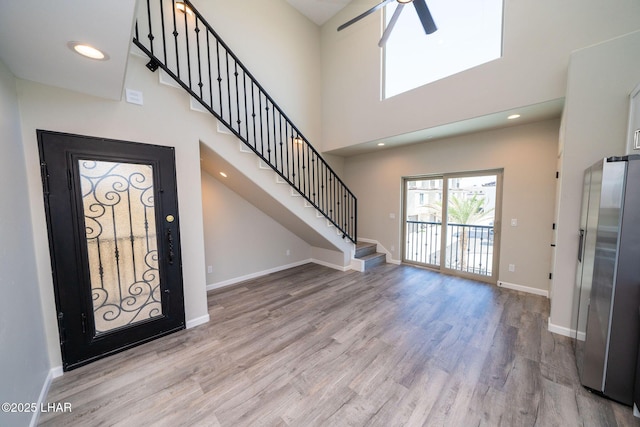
column 286, row 134
column 197, row 31
column 175, row 37
column 266, row 113
column 281, row 142
column 260, row 121
column 186, row 38
column 150, row 35
column 164, row 42
column 228, row 86
column 305, row 169
column 297, row 148
column 219, row 77
column 209, row 68
column 253, row 116
column 235, row 73
column 314, row 190
column 246, row 112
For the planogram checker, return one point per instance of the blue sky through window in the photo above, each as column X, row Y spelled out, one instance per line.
column 469, row 34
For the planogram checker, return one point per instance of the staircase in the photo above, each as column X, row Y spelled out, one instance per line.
column 179, row 41
column 367, row 255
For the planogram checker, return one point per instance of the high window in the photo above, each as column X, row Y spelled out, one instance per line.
column 469, row 34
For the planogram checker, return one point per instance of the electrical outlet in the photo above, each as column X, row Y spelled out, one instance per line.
column 288, row 252
column 210, row 269
column 512, row 267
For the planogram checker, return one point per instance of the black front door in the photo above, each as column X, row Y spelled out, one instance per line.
column 112, row 217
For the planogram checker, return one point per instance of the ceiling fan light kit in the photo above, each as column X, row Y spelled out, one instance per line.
column 421, row 9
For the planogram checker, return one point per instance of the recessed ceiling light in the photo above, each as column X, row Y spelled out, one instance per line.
column 513, row 116
column 380, row 144
column 223, row 174
column 88, row 51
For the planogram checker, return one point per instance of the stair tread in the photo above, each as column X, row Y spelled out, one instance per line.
column 364, row 245
column 363, row 249
column 372, row 256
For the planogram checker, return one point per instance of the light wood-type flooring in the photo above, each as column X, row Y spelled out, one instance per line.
column 312, row 346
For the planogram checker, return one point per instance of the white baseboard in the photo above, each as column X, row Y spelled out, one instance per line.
column 561, row 330
column 255, row 275
column 357, row 265
column 522, row 288
column 327, row 264
column 54, row 372
column 197, row 321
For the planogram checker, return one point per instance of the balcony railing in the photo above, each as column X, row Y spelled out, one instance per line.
column 187, row 48
column 468, row 248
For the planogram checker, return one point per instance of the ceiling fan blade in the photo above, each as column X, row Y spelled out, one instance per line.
column 425, row 16
column 392, row 23
column 367, row 13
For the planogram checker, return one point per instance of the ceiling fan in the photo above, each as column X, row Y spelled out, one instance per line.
column 421, row 8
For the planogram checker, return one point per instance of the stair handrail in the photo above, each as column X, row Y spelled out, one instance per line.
column 300, row 165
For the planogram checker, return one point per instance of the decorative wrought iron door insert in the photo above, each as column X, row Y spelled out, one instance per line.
column 114, row 242
column 119, row 216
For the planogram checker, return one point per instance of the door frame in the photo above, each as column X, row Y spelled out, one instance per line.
column 79, row 342
column 497, row 223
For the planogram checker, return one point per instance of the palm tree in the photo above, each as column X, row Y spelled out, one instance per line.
column 464, row 211
column 467, row 211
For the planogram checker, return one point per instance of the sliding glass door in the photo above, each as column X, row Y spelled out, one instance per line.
column 451, row 222
column 423, row 220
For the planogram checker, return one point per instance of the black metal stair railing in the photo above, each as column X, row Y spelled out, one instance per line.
column 179, row 40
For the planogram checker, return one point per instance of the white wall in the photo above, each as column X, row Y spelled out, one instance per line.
column 538, row 39
column 24, row 363
column 528, row 155
column 281, row 48
column 284, row 57
column 240, row 240
column 600, row 80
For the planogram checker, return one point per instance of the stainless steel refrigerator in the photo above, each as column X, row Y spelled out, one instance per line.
column 607, row 298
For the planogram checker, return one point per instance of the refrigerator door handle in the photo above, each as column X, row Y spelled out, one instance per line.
column 580, row 245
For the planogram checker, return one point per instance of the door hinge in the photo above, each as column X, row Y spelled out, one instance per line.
column 550, row 276
column 557, row 174
column 553, row 227
column 45, row 178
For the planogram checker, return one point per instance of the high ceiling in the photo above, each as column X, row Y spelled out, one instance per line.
column 34, row 35
column 33, row 43
column 319, row 11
